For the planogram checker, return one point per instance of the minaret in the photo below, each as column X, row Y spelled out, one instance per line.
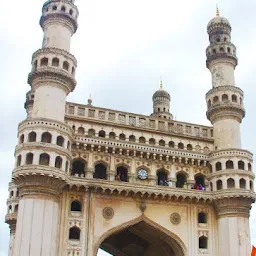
column 161, row 103
column 43, row 153
column 231, row 177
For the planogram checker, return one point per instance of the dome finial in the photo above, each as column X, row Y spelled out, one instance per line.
column 217, row 11
column 161, row 84
column 90, row 100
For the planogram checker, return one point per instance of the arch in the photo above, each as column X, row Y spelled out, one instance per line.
column 100, row 171
column 54, row 8
column 181, row 178
column 112, row 135
column 132, row 138
column 29, row 158
column 179, row 244
column 180, row 145
column 219, row 184
column 234, row 98
column 229, row 164
column 242, row 183
column 214, row 51
column 10, row 209
column 44, row 62
column 11, row 194
column 65, row 65
column 71, row 12
column 218, row 166
column 55, row 62
column 16, row 208
column 171, row 144
column 60, row 141
column 224, row 98
column 58, row 162
column 240, row 165
column 78, row 167
column 21, row 140
column 215, row 99
column 18, row 161
column 161, row 143
column 152, row 141
column 74, row 233
column 189, row 147
column 122, row 173
column 203, row 242
column 44, row 159
column 221, row 49
column 73, row 71
column 202, row 217
column 76, row 206
column 199, row 181
column 102, row 134
column 249, row 166
column 91, row 132
column 230, row 183
column 46, row 137
column 142, row 140
column 162, row 177
column 228, row 49
column 122, row 136
column 251, row 185
column 80, row 130
column 63, row 8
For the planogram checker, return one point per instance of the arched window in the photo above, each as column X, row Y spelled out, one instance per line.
column 142, row 140
column 203, row 241
column 199, row 182
column 202, row 217
column 65, row 65
column 100, row 172
column 180, row 145
column 219, row 184
column 122, row 136
column 229, row 164
column 234, row 98
column 152, row 141
column 251, row 185
column 211, row 186
column 55, row 62
column 181, row 180
column 162, row 178
column 80, row 131
column 58, row 162
column 161, row 143
column 71, row 12
column 16, row 208
column 210, row 168
column 78, row 167
column 218, row 166
column 10, row 209
column 60, row 141
column 76, row 206
column 249, row 167
column 44, row 159
column 230, row 183
column 18, row 160
column 228, row 50
column 102, row 134
column 171, row 144
column 22, row 139
column 132, row 138
column 112, row 135
column 209, row 103
column 54, row 8
column 122, row 174
column 31, row 137
column 225, row 98
column 242, row 183
column 63, row 9
column 46, row 137
column 189, row 147
column 29, row 158
column 44, row 62
column 215, row 99
column 221, row 49
column 91, row 132
column 74, row 233
column 240, row 165
column 11, row 194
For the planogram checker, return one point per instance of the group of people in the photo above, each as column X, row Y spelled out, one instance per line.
column 169, row 183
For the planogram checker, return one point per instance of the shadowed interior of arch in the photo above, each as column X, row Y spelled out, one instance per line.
column 141, row 239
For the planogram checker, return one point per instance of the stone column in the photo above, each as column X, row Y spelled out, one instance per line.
column 12, row 226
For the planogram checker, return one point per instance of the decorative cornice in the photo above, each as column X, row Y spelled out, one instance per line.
column 231, row 152
column 225, row 88
column 221, row 57
column 232, row 172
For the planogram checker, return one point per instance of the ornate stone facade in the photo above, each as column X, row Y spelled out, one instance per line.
column 87, row 177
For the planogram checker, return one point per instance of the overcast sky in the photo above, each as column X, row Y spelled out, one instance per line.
column 123, row 48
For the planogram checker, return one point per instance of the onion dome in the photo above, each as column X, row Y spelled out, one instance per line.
column 218, row 21
column 161, row 93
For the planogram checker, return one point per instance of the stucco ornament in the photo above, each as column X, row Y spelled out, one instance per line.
column 175, row 218
column 108, row 213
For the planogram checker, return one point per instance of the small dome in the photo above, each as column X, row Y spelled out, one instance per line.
column 218, row 20
column 161, row 93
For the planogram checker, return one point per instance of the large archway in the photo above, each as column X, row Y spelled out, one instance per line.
column 141, row 239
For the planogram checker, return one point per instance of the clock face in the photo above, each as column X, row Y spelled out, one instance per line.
column 142, row 174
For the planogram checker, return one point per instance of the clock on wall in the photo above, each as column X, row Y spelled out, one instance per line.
column 142, row 174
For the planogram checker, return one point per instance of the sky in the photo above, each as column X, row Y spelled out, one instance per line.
column 123, row 48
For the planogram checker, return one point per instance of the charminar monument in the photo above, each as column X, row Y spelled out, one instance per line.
column 88, row 177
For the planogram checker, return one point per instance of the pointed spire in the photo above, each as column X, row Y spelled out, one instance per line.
column 161, row 84
column 217, row 11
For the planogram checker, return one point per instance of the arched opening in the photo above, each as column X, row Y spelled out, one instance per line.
column 71, row 12
column 202, row 217
column 44, row 62
column 122, row 174
column 63, row 9
column 199, row 182
column 102, row 134
column 74, row 233
column 211, row 186
column 203, row 242
column 22, row 139
column 91, row 132
column 219, row 185
column 11, row 194
column 44, row 159
column 230, row 183
column 55, row 62
column 46, row 137
column 29, row 158
column 142, row 239
column 132, row 138
column 161, row 143
column 209, row 103
column 240, row 165
column 16, row 208
column 171, row 144
column 234, row 98
column 251, row 185
column 229, row 164
column 152, row 141
column 54, row 8
column 215, row 99
column 142, row 140
column 10, row 209
column 221, row 49
column 249, row 167
column 162, row 177
column 80, row 130
column 58, row 162
column 78, row 167
column 65, row 65
column 112, row 135
column 181, row 180
column 122, row 136
column 189, row 147
column 242, row 183
column 76, row 206
column 60, row 141
column 225, row 98
column 180, row 145
column 218, row 166
column 18, row 161
column 100, row 172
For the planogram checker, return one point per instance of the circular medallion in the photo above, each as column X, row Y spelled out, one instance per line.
column 142, row 174
column 175, row 218
column 108, row 213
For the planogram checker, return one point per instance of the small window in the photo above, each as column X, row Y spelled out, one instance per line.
column 112, row 135
column 162, row 178
column 215, row 99
column 229, row 164
column 132, row 138
column 152, row 141
column 218, row 166
column 76, row 206
column 60, row 141
column 63, row 9
column 225, row 98
column 29, row 158
column 122, row 136
column 202, row 217
column 58, row 162
column 46, row 137
column 32, row 137
column 74, row 233
column 71, row 12
column 80, row 131
column 122, row 174
column 171, row 144
column 234, row 98
column 230, row 183
column 55, row 62
column 44, row 62
column 240, row 165
column 91, row 132
column 180, row 145
column 22, row 139
column 242, row 183
column 249, row 167
column 142, row 140
column 78, row 167
column 228, row 50
column 100, row 172
column 181, row 180
column 219, row 185
column 65, row 65
column 203, row 240
column 102, row 134
column 54, row 8
column 44, row 159
column 161, row 143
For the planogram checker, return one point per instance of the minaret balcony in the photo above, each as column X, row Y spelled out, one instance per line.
column 223, row 57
